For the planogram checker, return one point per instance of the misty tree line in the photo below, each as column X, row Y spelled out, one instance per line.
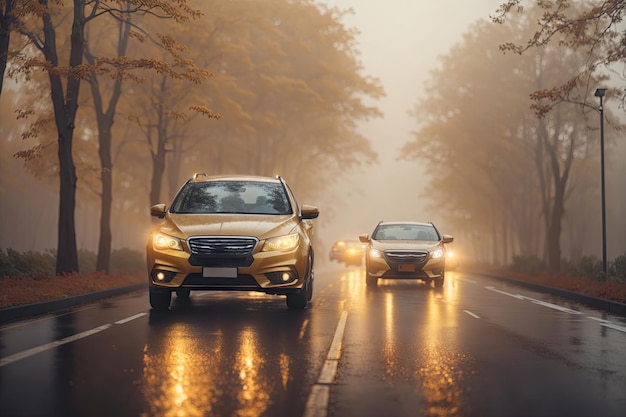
column 144, row 93
column 514, row 137
column 262, row 87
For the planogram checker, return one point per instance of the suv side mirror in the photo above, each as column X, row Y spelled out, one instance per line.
column 364, row 238
column 309, row 212
column 447, row 239
column 158, row 210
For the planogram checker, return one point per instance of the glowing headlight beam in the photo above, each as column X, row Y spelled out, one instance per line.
column 282, row 243
column 162, row 241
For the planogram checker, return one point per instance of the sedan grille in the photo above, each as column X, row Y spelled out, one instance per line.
column 222, row 246
column 406, row 257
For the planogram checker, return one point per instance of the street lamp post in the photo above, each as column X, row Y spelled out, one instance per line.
column 600, row 93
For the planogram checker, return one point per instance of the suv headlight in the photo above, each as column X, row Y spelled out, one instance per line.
column 375, row 253
column 436, row 254
column 281, row 243
column 162, row 241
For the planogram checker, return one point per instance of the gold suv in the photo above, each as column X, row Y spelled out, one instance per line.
column 236, row 233
column 405, row 250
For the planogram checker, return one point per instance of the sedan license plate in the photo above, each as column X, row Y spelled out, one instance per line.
column 213, row 272
column 406, row 268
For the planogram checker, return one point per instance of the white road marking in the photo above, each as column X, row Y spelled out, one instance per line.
column 126, row 320
column 317, row 403
column 471, row 314
column 610, row 325
column 30, row 352
column 553, row 306
column 538, row 302
column 33, row 351
column 519, row 297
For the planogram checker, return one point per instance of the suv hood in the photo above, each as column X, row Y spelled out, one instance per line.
column 262, row 227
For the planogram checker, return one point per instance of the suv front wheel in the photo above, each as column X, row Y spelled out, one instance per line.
column 300, row 299
column 160, row 299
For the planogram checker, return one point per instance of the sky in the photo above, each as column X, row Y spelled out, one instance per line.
column 400, row 42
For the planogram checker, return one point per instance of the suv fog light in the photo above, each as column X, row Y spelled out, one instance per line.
column 162, row 276
column 282, row 277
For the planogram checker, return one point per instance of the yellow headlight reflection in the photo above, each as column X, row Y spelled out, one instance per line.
column 282, row 243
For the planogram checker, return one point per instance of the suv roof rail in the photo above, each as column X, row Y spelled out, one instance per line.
column 199, row 174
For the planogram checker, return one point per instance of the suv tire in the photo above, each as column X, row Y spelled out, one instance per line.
column 160, row 300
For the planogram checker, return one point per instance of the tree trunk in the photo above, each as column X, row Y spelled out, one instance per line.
column 554, row 234
column 65, row 108
column 105, row 121
column 106, row 200
column 158, row 168
column 67, row 252
column 6, row 19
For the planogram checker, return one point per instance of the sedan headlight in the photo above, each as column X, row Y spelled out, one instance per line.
column 375, row 253
column 281, row 243
column 162, row 241
column 436, row 254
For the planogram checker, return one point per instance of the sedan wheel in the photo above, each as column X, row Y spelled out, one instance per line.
column 370, row 281
column 438, row 282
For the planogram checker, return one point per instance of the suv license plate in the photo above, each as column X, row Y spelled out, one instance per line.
column 406, row 268
column 209, row 272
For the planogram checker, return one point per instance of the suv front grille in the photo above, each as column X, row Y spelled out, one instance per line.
column 222, row 246
column 406, row 257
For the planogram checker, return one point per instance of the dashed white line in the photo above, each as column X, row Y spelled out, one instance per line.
column 317, row 403
column 127, row 319
column 472, row 314
column 33, row 351
column 30, row 352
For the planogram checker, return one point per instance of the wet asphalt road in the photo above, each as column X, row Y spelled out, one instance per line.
column 477, row 347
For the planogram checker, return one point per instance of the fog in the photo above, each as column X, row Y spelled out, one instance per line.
column 400, row 42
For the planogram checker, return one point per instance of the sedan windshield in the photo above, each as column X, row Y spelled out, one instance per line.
column 244, row 197
column 406, row 232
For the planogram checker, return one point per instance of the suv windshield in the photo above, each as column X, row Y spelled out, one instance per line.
column 246, row 197
column 406, row 232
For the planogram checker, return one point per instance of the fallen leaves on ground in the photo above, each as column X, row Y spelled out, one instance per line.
column 608, row 290
column 21, row 291
column 24, row 290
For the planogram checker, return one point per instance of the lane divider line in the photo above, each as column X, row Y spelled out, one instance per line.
column 471, row 314
column 30, row 352
column 317, row 403
column 127, row 319
column 33, row 351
